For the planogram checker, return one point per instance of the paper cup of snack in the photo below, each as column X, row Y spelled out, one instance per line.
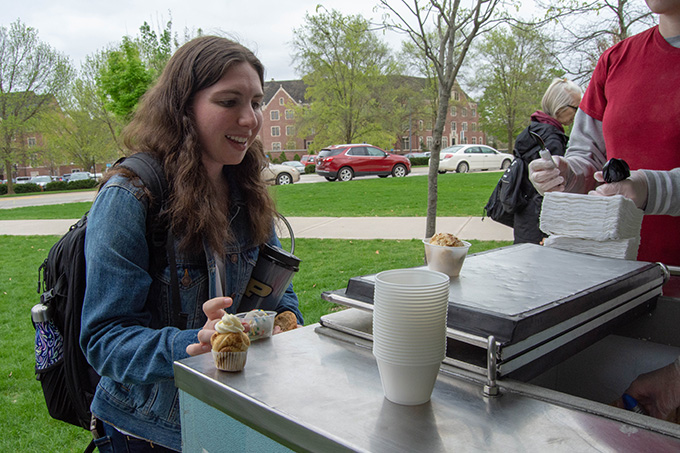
column 445, row 253
column 260, row 323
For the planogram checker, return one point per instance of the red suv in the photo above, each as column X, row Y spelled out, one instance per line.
column 308, row 159
column 344, row 162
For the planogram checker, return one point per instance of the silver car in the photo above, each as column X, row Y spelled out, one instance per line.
column 41, row 180
column 280, row 174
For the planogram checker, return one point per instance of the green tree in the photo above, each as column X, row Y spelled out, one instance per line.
column 31, row 74
column 583, row 30
column 129, row 69
column 86, row 95
column 124, row 79
column 82, row 130
column 443, row 31
column 516, row 67
column 347, row 70
column 156, row 48
column 425, row 101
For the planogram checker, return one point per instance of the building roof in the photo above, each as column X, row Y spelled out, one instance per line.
column 295, row 89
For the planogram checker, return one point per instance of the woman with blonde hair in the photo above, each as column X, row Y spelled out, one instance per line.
column 200, row 122
column 559, row 105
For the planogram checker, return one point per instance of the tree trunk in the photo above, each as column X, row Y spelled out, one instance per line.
column 432, row 175
column 8, row 173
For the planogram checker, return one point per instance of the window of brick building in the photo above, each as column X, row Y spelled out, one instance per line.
column 276, row 146
column 453, row 125
column 276, row 131
column 274, row 115
column 281, row 101
column 31, row 141
column 463, row 111
column 473, row 127
column 290, row 130
column 290, row 114
column 454, row 111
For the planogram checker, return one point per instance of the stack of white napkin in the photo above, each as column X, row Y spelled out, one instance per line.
column 604, row 226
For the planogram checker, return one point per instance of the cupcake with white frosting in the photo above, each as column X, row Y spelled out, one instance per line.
column 229, row 344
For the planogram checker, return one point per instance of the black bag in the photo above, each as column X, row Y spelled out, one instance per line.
column 494, row 208
column 508, row 197
column 67, row 380
column 513, row 196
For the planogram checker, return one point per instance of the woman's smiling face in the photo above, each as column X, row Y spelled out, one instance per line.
column 228, row 116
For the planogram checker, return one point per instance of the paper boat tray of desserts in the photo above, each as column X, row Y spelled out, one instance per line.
column 540, row 304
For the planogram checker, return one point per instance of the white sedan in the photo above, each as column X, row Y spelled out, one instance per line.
column 463, row 158
column 280, row 174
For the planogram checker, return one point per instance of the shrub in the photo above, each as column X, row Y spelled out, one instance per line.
column 56, row 185
column 296, row 157
column 27, row 187
column 82, row 184
column 3, row 189
column 419, row 160
column 310, row 169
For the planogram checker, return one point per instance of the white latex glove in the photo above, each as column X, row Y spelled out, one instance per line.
column 547, row 177
column 633, row 187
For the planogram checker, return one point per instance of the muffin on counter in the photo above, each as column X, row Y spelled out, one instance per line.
column 229, row 344
column 286, row 321
column 446, row 240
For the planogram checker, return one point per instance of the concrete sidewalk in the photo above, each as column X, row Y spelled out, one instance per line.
column 324, row 227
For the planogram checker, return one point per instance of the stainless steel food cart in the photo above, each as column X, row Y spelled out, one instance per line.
column 318, row 388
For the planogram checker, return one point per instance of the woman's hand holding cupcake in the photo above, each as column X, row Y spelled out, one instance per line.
column 214, row 310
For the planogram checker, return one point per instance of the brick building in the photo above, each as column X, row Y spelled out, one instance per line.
column 278, row 129
column 279, row 135
column 461, row 126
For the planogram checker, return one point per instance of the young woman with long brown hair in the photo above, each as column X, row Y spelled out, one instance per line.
column 200, row 121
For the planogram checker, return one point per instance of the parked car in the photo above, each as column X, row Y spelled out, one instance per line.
column 41, row 180
column 308, row 160
column 78, row 175
column 344, row 162
column 412, row 155
column 463, row 158
column 280, row 174
column 295, row 164
column 22, row 179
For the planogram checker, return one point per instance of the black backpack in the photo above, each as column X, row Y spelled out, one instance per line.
column 67, row 380
column 508, row 197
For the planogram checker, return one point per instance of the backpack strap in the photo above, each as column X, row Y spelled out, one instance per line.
column 152, row 175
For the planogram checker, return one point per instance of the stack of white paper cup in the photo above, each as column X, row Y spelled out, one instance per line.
column 409, row 332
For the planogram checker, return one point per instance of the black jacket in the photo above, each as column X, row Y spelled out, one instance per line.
column 526, row 148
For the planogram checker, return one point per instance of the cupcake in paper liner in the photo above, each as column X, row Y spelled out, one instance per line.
column 229, row 344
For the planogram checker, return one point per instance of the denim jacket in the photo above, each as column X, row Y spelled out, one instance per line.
column 125, row 332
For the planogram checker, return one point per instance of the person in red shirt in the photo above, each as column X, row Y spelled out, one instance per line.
column 631, row 111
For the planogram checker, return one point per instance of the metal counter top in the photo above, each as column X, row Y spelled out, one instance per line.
column 316, row 392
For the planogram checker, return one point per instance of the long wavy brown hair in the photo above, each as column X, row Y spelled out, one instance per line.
column 164, row 126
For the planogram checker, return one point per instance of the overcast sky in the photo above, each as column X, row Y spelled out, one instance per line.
column 78, row 28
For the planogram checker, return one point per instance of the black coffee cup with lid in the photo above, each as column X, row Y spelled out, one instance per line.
column 273, row 272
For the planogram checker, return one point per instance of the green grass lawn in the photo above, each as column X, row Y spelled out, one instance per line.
column 25, row 425
column 327, row 264
column 459, row 195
